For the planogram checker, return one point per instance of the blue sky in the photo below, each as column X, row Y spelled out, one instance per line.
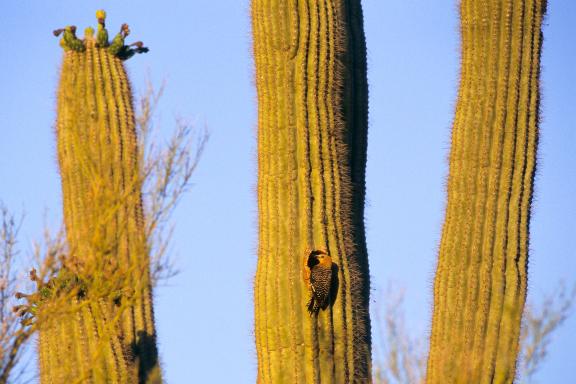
column 203, row 50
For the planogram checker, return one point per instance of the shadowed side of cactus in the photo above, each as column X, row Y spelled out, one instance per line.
column 310, row 61
column 481, row 277
column 101, row 330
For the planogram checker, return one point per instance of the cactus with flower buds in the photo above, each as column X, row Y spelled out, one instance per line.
column 95, row 317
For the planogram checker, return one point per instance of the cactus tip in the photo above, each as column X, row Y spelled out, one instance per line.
column 101, row 16
column 140, row 48
column 125, row 30
column 70, row 41
column 89, row 33
column 116, row 47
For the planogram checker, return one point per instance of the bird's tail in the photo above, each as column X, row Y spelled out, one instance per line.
column 313, row 306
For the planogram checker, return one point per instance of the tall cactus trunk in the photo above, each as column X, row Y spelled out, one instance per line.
column 310, row 61
column 481, row 277
column 105, row 332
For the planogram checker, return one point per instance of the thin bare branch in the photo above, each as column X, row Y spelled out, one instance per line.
column 14, row 334
column 167, row 172
column 540, row 324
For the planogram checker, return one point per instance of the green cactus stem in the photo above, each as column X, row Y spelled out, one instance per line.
column 102, row 35
column 106, row 334
column 69, row 40
column 118, row 41
column 310, row 61
column 481, row 276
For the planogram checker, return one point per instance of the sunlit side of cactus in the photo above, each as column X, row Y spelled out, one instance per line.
column 310, row 61
column 96, row 322
column 481, row 277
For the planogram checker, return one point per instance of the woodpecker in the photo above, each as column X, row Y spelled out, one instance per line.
column 319, row 277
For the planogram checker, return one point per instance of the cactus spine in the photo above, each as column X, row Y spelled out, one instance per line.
column 481, row 277
column 312, row 118
column 104, row 332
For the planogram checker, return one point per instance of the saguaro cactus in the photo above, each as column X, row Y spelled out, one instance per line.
column 104, row 331
column 480, row 285
column 312, row 118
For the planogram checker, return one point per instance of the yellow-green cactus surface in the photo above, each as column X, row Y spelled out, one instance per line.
column 481, row 277
column 104, row 332
column 312, row 123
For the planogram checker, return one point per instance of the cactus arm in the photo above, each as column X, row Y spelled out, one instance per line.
column 311, row 77
column 481, row 277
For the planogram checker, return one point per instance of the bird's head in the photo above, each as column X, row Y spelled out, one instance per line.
column 319, row 256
